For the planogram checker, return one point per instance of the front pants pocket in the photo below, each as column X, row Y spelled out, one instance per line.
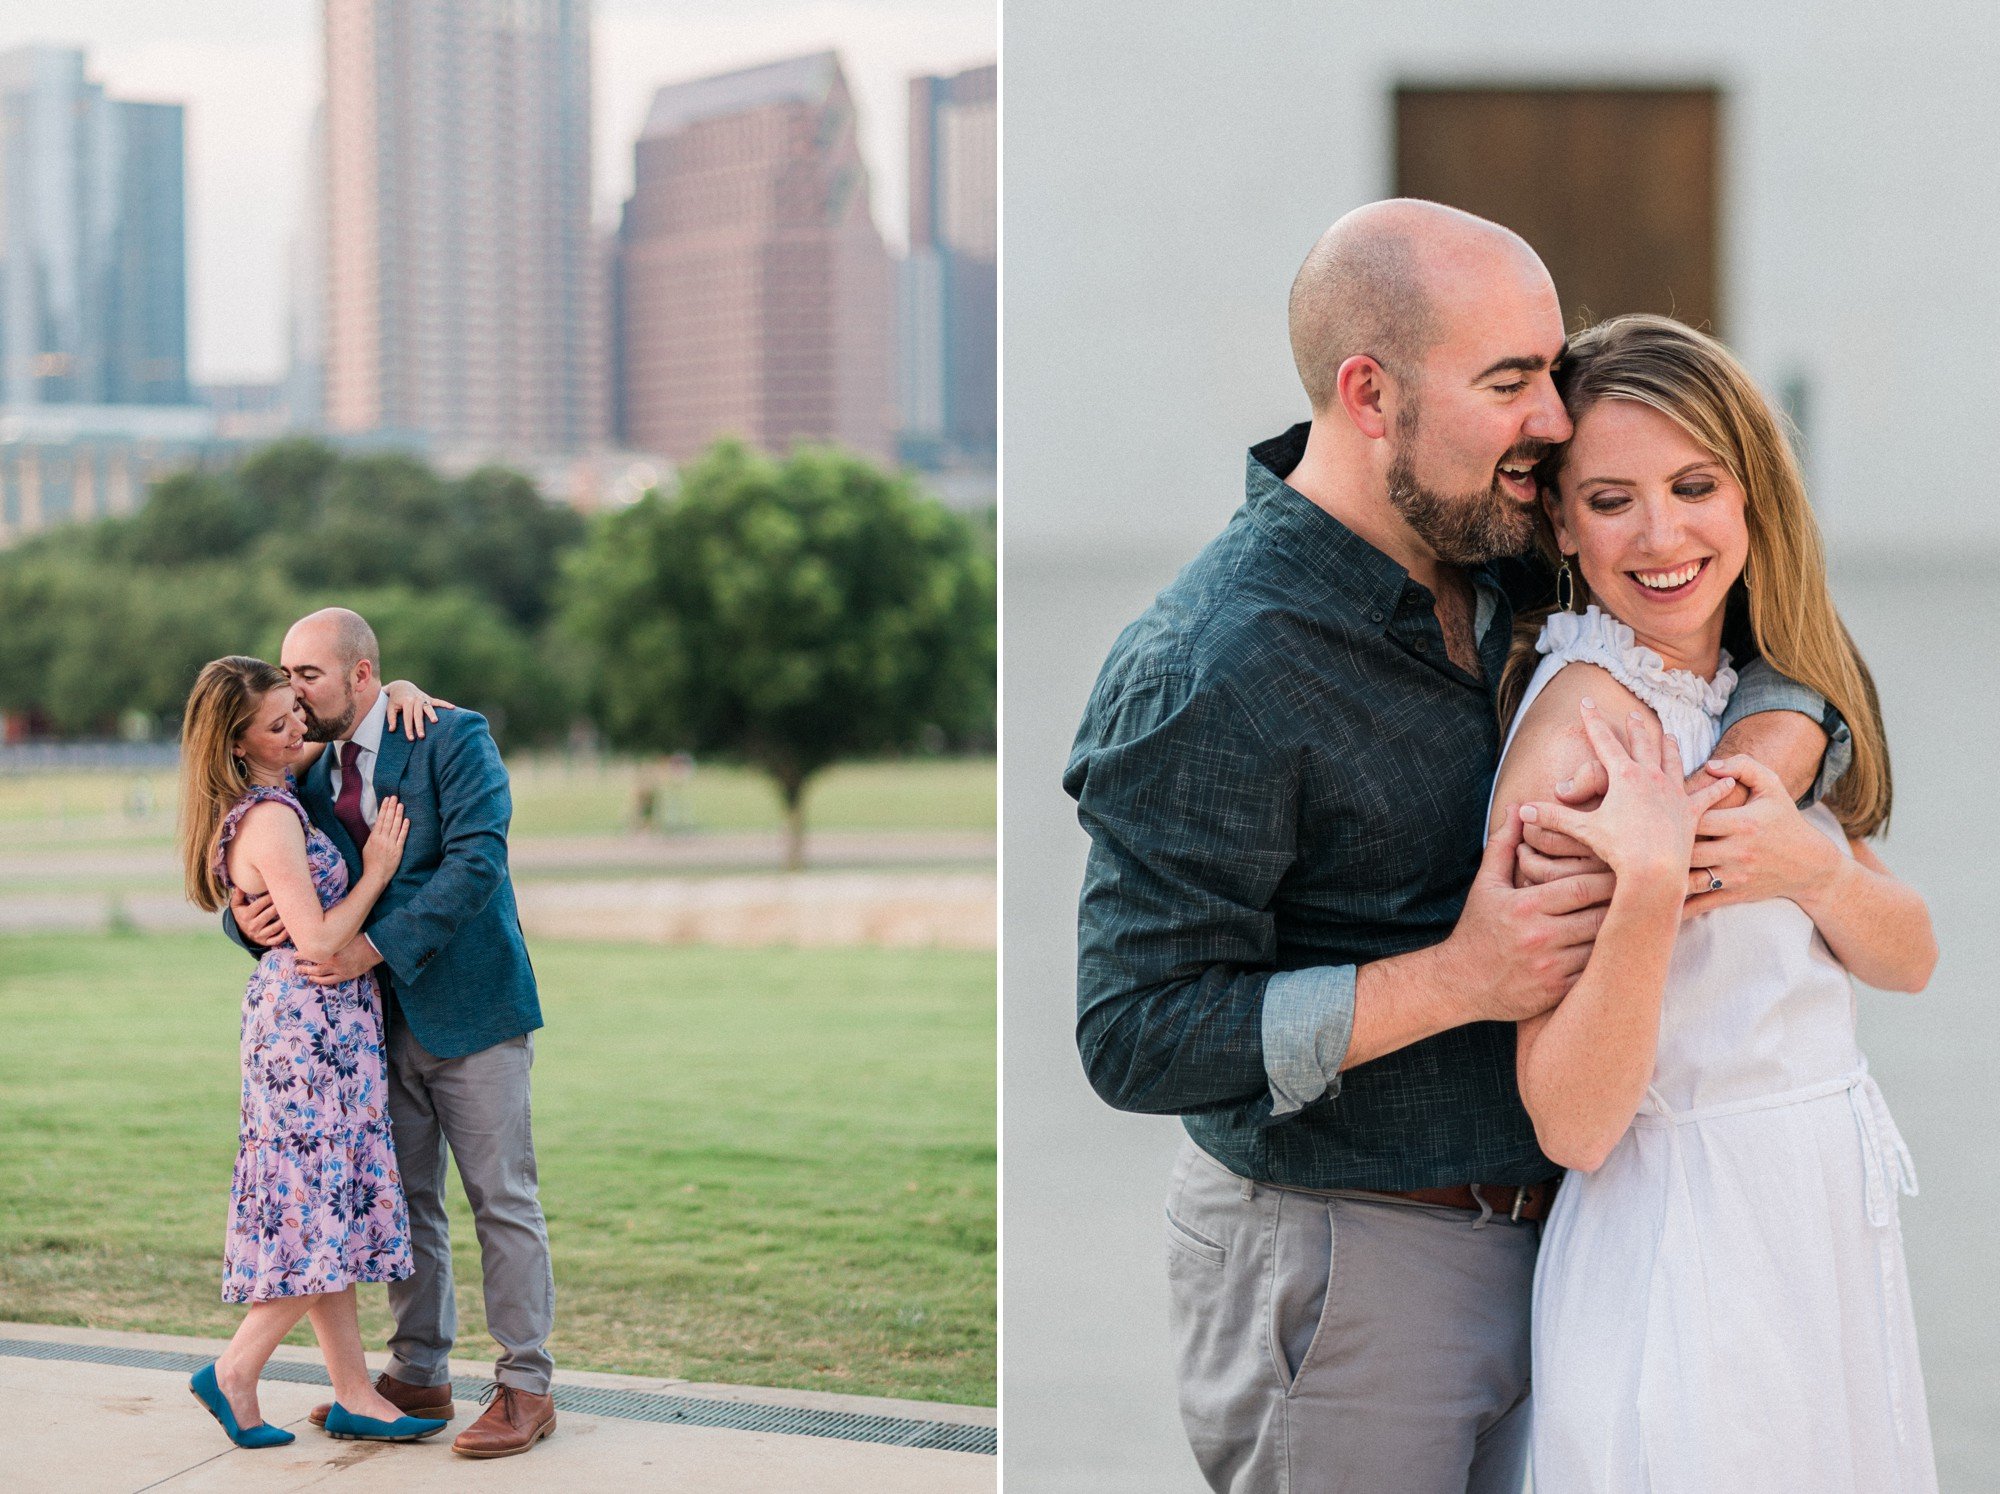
column 1302, row 1262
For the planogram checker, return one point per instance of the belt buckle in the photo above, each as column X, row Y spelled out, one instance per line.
column 1520, row 1202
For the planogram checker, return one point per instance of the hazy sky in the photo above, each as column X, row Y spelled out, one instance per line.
column 248, row 71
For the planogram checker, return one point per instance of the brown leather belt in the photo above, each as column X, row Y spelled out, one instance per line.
column 1530, row 1203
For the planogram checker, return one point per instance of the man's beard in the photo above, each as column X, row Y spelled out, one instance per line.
column 328, row 729
column 1467, row 530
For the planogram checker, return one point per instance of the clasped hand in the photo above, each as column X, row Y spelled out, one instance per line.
column 356, row 957
column 1764, row 849
column 1753, row 839
column 1644, row 825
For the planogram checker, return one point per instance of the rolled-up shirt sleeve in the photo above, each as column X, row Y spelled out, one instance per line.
column 1761, row 688
column 1308, row 1023
column 1192, row 817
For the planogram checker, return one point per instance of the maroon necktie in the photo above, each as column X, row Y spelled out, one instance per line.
column 347, row 808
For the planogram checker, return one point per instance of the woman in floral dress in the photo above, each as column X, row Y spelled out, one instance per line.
column 316, row 1205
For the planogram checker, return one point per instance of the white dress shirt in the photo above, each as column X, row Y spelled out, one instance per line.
column 368, row 733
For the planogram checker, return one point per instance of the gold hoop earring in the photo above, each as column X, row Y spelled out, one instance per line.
column 1565, row 586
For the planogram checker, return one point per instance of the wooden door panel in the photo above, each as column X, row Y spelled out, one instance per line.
column 1617, row 188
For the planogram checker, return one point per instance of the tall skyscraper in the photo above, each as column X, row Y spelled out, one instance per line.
column 950, row 282
column 459, row 267
column 93, row 252
column 754, row 295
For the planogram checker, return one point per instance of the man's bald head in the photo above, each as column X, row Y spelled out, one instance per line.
column 343, row 635
column 1378, row 283
column 322, row 657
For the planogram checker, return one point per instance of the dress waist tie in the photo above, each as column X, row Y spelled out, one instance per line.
column 1886, row 1162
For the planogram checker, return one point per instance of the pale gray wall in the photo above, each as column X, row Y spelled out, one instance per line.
column 1168, row 165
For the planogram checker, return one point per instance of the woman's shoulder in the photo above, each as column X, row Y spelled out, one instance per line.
column 257, row 820
column 1558, row 705
column 1549, row 745
column 264, row 811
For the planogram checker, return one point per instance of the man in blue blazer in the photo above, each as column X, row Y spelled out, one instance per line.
column 460, row 1003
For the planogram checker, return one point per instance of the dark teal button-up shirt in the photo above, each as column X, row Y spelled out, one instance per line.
column 1284, row 776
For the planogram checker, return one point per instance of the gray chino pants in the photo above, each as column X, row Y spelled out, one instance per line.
column 1329, row 1344
column 478, row 1108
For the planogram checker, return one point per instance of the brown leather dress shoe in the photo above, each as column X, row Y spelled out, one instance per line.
column 411, row 1400
column 514, row 1422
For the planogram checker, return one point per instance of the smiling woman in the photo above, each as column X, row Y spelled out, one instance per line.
column 1678, row 461
column 1701, row 1079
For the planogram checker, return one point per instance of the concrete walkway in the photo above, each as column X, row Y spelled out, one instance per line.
column 888, row 889
column 805, row 910
column 28, row 855
column 78, row 1427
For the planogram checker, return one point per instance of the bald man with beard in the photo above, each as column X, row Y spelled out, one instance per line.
column 1288, row 935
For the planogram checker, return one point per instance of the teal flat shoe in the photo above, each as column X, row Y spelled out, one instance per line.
column 344, row 1424
column 210, row 1395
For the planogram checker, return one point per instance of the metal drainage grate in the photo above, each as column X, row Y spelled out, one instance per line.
column 626, row 1405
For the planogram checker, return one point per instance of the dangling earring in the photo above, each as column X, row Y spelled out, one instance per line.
column 1565, row 586
column 1746, row 578
column 242, row 768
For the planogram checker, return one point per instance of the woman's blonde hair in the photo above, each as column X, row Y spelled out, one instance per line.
column 1697, row 383
column 213, row 774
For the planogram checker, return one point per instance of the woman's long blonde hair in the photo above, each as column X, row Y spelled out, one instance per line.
column 1697, row 383
column 213, row 776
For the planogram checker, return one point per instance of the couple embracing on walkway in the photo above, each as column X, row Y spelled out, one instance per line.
column 1583, row 1109
column 389, row 1020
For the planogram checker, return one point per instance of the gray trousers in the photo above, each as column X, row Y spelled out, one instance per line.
column 1331, row 1344
column 478, row 1108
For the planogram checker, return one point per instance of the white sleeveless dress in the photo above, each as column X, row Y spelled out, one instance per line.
column 1723, row 1305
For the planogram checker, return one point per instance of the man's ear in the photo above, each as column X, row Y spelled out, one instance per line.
column 1362, row 388
column 364, row 671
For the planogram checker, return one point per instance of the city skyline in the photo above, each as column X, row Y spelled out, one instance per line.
column 248, row 72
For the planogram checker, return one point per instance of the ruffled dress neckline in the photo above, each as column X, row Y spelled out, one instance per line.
column 1594, row 636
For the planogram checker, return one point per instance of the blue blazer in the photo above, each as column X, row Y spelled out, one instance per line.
column 452, row 953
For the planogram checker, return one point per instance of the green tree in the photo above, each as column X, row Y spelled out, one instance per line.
column 508, row 541
column 190, row 518
column 791, row 614
column 388, row 520
column 95, row 640
column 101, row 618
column 286, row 481
column 379, row 522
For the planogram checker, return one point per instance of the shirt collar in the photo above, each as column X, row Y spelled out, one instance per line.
column 368, row 731
column 1371, row 582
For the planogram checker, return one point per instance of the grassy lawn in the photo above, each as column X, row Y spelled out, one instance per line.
column 765, row 1167
column 553, row 797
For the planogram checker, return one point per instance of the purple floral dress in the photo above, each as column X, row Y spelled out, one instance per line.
column 317, row 1203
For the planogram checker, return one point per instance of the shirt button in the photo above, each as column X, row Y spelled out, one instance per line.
column 1423, row 645
column 1376, row 615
